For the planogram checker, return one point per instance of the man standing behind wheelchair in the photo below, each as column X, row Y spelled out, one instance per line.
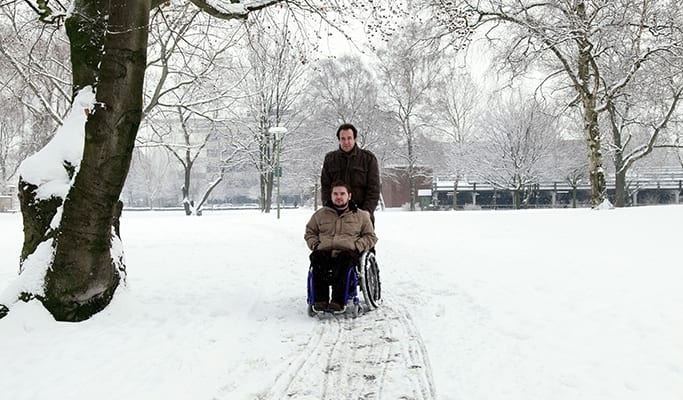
column 336, row 233
column 355, row 166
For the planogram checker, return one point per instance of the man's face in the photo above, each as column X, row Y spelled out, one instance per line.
column 340, row 196
column 346, row 140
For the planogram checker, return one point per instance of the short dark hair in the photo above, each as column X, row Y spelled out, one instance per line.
column 344, row 127
column 341, row 183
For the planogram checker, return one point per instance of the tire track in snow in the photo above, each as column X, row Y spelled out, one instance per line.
column 379, row 355
column 416, row 357
column 307, row 362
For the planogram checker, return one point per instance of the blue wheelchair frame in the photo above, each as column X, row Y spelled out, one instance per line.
column 363, row 274
column 351, row 276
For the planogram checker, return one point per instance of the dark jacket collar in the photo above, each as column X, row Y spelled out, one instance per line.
column 354, row 151
column 352, row 205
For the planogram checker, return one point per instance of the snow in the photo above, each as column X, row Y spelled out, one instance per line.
column 45, row 168
column 520, row 305
column 33, row 276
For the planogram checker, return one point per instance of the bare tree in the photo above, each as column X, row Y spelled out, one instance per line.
column 184, row 96
column 34, row 86
column 456, row 107
column 346, row 91
column 36, row 70
column 273, row 67
column 638, row 119
column 410, row 71
column 522, row 138
column 148, row 180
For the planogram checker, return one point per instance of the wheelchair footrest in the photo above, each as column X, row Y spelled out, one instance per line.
column 350, row 309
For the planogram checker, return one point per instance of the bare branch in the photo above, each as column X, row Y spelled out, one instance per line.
column 226, row 9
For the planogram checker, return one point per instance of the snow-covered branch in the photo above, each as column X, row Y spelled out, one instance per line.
column 225, row 9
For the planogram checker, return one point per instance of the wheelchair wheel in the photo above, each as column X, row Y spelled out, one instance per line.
column 369, row 280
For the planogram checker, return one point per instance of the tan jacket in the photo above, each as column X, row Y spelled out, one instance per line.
column 352, row 230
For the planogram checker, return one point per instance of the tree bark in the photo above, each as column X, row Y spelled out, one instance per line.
column 619, row 179
column 455, row 193
column 84, row 275
column 595, row 169
column 588, row 87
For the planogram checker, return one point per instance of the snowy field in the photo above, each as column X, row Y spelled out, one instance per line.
column 479, row 305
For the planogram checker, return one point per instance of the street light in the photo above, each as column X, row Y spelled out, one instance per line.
column 278, row 132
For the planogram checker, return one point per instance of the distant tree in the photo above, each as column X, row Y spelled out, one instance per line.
column 568, row 162
column 184, row 97
column 305, row 157
column 346, row 91
column 456, row 108
column 570, row 165
column 34, row 87
column 148, row 180
column 637, row 120
column 522, row 137
column 185, row 139
column 271, row 74
column 410, row 70
column 34, row 65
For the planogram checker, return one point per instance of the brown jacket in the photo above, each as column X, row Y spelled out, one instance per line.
column 358, row 169
column 352, row 230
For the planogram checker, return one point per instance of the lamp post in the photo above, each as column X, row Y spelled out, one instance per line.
column 278, row 132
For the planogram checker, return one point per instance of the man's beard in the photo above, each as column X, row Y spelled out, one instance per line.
column 341, row 206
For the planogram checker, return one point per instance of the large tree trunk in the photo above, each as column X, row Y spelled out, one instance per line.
column 84, row 275
column 109, row 48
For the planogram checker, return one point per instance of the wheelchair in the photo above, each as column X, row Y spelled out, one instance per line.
column 362, row 277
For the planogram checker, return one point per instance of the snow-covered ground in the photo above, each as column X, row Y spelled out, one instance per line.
column 479, row 305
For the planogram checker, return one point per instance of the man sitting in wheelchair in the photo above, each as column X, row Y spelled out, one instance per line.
column 337, row 234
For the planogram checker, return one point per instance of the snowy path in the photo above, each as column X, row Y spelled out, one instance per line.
column 377, row 355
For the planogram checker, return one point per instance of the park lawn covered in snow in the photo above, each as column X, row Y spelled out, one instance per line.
column 479, row 305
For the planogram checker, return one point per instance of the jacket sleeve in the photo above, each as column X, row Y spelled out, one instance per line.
column 325, row 180
column 373, row 185
column 312, row 235
column 367, row 239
